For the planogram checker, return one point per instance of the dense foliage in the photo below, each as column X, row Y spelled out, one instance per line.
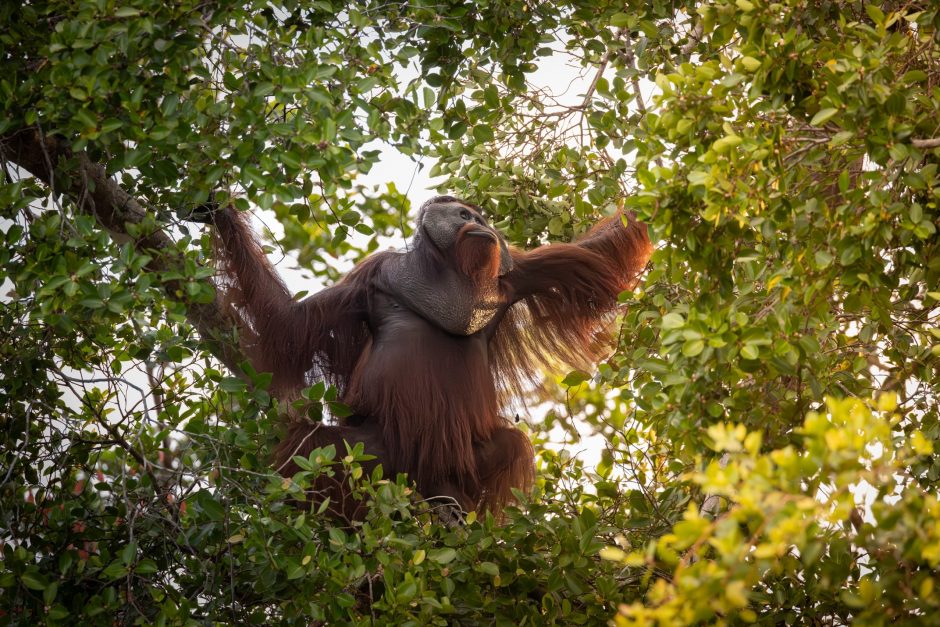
column 770, row 416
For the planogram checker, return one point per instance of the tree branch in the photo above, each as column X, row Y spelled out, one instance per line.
column 96, row 194
column 694, row 38
column 597, row 76
column 926, row 143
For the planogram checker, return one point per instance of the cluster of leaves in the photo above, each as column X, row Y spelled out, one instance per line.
column 187, row 524
column 792, row 545
column 770, row 417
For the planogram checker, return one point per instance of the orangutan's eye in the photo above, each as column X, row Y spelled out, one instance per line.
column 465, row 214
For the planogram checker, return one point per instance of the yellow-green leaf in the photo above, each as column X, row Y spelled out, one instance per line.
column 750, row 63
column 726, row 143
column 672, row 321
column 823, row 116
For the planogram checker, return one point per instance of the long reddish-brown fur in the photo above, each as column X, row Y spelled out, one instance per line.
column 438, row 419
column 568, row 298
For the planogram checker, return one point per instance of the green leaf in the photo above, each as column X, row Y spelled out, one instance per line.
column 620, row 20
column 212, row 508
column 672, row 320
column 913, row 76
column 850, row 255
column 840, row 138
column 876, row 14
column 146, row 567
column 407, row 591
column 750, row 63
column 823, row 259
column 726, row 143
column 691, row 348
column 823, row 116
column 491, row 96
column 482, row 133
column 58, row 612
column 295, row 571
column 33, row 580
column 114, row 570
column 49, row 594
column 848, row 597
column 700, row 177
column 576, row 377
column 128, row 553
column 489, row 568
column 750, row 351
column 442, row 556
column 232, row 384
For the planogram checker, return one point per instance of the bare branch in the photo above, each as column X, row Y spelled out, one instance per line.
column 597, row 76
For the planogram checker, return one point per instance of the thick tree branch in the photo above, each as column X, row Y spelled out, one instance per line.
column 96, row 194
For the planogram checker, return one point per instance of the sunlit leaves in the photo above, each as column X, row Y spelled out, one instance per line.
column 769, row 518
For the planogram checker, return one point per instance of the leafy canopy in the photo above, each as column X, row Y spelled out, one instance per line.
column 770, row 416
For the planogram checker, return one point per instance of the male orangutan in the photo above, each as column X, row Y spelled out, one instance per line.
column 425, row 346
